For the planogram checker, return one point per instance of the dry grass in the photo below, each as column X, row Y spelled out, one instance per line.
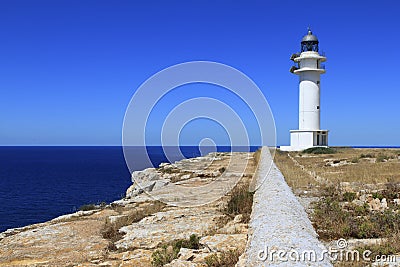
column 241, row 202
column 256, row 156
column 295, row 177
column 358, row 168
column 367, row 166
column 225, row 259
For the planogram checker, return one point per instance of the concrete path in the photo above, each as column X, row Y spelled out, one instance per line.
column 280, row 233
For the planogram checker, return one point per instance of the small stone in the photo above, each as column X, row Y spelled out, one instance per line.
column 374, row 204
column 384, row 204
column 238, row 218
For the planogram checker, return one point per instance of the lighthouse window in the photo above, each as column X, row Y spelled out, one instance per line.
column 317, row 107
column 317, row 82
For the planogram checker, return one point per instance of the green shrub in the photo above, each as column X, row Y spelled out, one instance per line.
column 330, row 218
column 349, row 196
column 92, row 206
column 319, row 150
column 363, row 156
column 354, row 160
column 377, row 195
column 381, row 158
column 87, row 207
column 164, row 255
column 361, row 210
column 169, row 251
column 366, row 229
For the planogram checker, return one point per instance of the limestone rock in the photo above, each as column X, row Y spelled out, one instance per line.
column 149, row 174
column 148, row 186
column 137, row 189
column 235, row 226
column 224, row 243
column 182, row 263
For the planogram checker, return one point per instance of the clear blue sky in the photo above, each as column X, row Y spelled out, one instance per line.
column 69, row 68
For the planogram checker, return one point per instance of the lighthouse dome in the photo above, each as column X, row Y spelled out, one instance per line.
column 310, row 37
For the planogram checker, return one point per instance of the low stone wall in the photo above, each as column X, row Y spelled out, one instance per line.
column 280, row 233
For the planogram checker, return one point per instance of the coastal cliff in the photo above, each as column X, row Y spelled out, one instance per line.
column 140, row 230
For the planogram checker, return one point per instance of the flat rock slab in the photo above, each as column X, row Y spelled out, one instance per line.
column 169, row 225
column 54, row 245
column 280, row 233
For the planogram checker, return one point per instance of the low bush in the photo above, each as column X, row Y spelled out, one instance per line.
column 381, row 158
column 377, row 195
column 349, row 196
column 169, row 251
column 354, row 160
column 363, row 156
column 319, row 150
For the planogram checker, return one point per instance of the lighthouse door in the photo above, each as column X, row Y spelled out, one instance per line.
column 324, row 143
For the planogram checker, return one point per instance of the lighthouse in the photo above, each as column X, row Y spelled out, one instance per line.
column 309, row 69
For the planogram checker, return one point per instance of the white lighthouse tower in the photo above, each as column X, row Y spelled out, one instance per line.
column 309, row 68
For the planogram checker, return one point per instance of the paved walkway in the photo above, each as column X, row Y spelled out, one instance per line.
column 280, row 233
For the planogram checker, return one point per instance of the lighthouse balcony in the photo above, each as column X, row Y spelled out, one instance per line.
column 309, row 55
column 304, row 69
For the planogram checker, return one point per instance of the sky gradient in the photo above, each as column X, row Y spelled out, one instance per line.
column 68, row 69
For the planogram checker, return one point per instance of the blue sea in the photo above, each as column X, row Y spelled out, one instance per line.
column 38, row 184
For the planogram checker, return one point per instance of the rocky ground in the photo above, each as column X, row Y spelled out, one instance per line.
column 140, row 230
